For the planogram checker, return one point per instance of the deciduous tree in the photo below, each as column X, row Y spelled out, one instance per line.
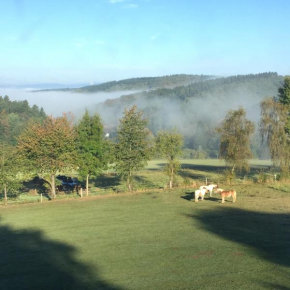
column 10, row 175
column 91, row 147
column 133, row 146
column 49, row 147
column 275, row 126
column 169, row 145
column 235, row 132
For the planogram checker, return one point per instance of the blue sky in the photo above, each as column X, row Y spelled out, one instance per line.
column 84, row 41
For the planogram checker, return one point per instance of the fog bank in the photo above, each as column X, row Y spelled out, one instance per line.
column 56, row 102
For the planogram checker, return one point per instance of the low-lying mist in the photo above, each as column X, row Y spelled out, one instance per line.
column 57, row 102
column 186, row 115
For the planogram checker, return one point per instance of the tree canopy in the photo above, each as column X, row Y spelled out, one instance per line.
column 169, row 145
column 91, row 146
column 15, row 117
column 133, row 146
column 235, row 132
column 275, row 126
column 49, row 147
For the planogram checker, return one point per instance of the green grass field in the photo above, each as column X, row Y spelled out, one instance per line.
column 150, row 240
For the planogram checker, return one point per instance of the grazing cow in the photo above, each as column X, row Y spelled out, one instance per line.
column 227, row 193
column 200, row 193
column 209, row 188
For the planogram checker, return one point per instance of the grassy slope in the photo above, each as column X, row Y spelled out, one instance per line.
column 154, row 240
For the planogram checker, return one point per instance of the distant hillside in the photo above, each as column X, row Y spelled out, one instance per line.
column 145, row 84
column 14, row 117
column 196, row 109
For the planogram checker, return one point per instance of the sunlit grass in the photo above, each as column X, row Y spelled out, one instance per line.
column 159, row 240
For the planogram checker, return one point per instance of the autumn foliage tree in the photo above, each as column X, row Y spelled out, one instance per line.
column 49, row 147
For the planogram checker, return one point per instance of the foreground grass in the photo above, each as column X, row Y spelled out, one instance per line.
column 153, row 240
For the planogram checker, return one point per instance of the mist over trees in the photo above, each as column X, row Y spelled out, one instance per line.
column 45, row 146
column 196, row 109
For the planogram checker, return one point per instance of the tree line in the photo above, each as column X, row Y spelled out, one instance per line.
column 198, row 107
column 48, row 146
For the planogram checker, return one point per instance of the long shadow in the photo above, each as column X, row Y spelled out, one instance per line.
column 190, row 196
column 28, row 260
column 144, row 180
column 187, row 174
column 206, row 168
column 106, row 181
column 268, row 234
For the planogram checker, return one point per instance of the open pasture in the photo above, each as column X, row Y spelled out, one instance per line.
column 150, row 240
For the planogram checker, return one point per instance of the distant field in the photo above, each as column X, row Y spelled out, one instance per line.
column 151, row 240
column 157, row 164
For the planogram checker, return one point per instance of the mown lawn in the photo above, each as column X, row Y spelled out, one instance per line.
column 150, row 240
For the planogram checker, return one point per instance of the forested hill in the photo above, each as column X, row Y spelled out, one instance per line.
column 264, row 84
column 197, row 108
column 14, row 117
column 146, row 83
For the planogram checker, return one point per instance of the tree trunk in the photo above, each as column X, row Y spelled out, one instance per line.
column 129, row 181
column 5, row 194
column 233, row 169
column 87, row 185
column 171, row 179
column 53, row 186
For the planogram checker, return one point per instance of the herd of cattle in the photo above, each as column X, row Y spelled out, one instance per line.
column 204, row 189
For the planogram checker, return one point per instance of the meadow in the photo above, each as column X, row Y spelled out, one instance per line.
column 153, row 239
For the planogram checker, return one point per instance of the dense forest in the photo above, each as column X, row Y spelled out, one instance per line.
column 146, row 83
column 14, row 118
column 141, row 84
column 196, row 109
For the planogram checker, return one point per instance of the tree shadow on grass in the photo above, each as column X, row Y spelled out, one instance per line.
column 142, row 180
column 205, row 168
column 190, row 174
column 106, row 181
column 28, row 260
column 266, row 233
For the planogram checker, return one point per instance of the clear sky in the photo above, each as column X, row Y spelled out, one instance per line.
column 84, row 41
